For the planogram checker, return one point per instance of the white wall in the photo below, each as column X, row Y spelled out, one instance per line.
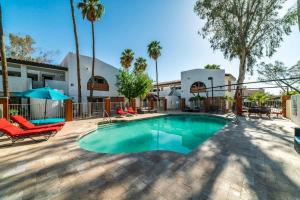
column 59, row 85
column 101, row 69
column 192, row 76
column 295, row 106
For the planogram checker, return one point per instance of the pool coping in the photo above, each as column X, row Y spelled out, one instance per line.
column 221, row 131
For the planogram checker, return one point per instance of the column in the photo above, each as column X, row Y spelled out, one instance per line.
column 68, row 110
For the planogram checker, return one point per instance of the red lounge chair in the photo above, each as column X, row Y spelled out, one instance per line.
column 121, row 112
column 27, row 125
column 14, row 133
column 131, row 111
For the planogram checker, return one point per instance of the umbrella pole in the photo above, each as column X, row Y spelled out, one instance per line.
column 45, row 113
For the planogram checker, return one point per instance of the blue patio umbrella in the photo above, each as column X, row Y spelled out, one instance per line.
column 45, row 93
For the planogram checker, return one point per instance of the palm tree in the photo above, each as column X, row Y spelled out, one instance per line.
column 77, row 54
column 299, row 14
column 3, row 59
column 154, row 49
column 126, row 58
column 140, row 65
column 93, row 11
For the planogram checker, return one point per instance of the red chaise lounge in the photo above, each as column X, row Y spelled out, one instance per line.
column 131, row 111
column 121, row 112
column 25, row 124
column 14, row 133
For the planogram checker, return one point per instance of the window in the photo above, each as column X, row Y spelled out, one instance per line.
column 198, row 87
column 34, row 77
column 100, row 84
column 12, row 73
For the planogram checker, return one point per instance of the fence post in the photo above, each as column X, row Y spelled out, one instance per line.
column 239, row 103
column 283, row 104
column 68, row 110
column 5, row 107
column 182, row 104
column 151, row 104
column 165, row 104
column 107, row 105
column 133, row 104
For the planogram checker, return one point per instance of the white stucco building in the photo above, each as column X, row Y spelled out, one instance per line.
column 105, row 76
column 196, row 82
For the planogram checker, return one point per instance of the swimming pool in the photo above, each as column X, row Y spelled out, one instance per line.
column 177, row 133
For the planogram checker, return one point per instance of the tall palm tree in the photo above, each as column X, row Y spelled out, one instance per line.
column 154, row 52
column 299, row 14
column 77, row 53
column 93, row 11
column 126, row 58
column 3, row 59
column 140, row 65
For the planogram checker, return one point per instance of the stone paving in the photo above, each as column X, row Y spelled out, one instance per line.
column 252, row 160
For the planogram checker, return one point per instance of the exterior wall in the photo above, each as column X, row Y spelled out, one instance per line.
column 23, row 83
column 101, row 69
column 229, row 92
column 295, row 109
column 59, row 85
column 192, row 76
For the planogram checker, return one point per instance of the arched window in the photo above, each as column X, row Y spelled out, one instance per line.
column 100, row 84
column 198, row 87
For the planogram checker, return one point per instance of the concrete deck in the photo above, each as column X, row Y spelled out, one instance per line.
column 253, row 160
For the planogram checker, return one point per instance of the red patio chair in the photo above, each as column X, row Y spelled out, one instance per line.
column 25, row 124
column 121, row 112
column 14, row 133
column 131, row 111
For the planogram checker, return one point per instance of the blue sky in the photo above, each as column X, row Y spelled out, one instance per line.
column 130, row 24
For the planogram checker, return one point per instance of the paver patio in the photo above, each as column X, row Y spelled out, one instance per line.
column 253, row 160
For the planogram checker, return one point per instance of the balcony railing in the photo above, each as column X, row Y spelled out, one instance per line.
column 98, row 86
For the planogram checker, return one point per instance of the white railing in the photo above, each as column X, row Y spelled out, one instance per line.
column 88, row 110
column 38, row 111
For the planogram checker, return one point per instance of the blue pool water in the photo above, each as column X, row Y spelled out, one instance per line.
column 178, row 133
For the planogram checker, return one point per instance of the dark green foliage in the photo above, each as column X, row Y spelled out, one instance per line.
column 279, row 71
column 244, row 29
column 212, row 66
column 133, row 85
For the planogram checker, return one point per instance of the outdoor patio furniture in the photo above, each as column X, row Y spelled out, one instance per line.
column 25, row 124
column 14, row 133
column 260, row 111
column 47, row 121
column 146, row 110
column 297, row 140
column 121, row 112
column 131, row 111
column 187, row 109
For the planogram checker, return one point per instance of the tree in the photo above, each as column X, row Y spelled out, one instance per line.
column 93, row 11
column 3, row 59
column 126, row 58
column 22, row 47
column 77, row 53
column 299, row 14
column 259, row 98
column 133, row 85
column 212, row 66
column 279, row 71
column 140, row 65
column 154, row 52
column 247, row 30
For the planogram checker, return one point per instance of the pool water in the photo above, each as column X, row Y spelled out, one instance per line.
column 177, row 133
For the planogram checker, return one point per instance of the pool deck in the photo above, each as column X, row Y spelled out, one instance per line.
column 252, row 160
